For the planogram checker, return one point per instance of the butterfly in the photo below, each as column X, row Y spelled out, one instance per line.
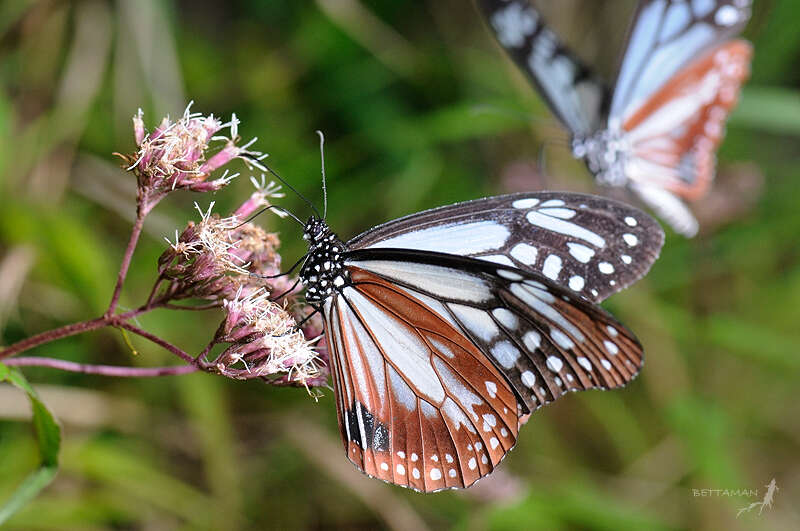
column 657, row 129
column 447, row 328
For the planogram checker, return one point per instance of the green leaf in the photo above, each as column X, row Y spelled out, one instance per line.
column 48, row 437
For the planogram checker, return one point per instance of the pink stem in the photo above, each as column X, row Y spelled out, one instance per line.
column 126, row 259
column 69, row 330
column 158, row 341
column 104, row 370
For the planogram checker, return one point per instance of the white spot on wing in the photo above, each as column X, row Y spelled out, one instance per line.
column 528, row 379
column 630, row 221
column 532, row 340
column 726, row 15
column 612, row 348
column 529, row 202
column 630, row 239
column 505, row 353
column 580, row 252
column 478, row 322
column 554, row 364
column 576, row 282
column 491, row 388
column 525, row 253
column 585, row 363
column 552, row 266
column 565, row 227
column 561, row 338
column 605, row 268
column 563, row 213
column 506, row 318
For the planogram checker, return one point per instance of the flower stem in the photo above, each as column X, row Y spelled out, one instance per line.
column 104, row 370
column 70, row 330
column 126, row 259
column 157, row 340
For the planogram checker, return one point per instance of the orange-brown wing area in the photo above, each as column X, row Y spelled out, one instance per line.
column 673, row 137
column 419, row 404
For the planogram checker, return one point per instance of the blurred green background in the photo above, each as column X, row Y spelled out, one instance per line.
column 419, row 108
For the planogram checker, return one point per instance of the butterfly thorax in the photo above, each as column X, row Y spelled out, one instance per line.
column 605, row 154
column 324, row 271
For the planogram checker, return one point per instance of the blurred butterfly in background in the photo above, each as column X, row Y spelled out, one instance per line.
column 657, row 129
column 447, row 328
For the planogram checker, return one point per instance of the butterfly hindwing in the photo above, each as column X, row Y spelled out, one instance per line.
column 673, row 137
column 667, row 35
column 570, row 88
column 593, row 245
column 544, row 339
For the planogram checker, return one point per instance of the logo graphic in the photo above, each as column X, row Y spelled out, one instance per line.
column 772, row 487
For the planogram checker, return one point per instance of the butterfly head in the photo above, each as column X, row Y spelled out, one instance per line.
column 605, row 154
column 324, row 271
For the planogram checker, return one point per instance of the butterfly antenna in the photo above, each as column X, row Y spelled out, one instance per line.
column 324, row 184
column 286, row 273
column 293, row 189
column 278, row 209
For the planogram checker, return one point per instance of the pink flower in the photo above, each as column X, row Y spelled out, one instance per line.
column 175, row 154
column 228, row 261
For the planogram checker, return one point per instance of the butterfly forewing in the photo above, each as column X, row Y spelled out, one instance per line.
column 544, row 339
column 571, row 89
column 593, row 245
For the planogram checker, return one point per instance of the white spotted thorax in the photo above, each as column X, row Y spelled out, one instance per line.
column 324, row 270
column 605, row 154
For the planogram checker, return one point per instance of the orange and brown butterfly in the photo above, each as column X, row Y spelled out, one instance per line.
column 446, row 329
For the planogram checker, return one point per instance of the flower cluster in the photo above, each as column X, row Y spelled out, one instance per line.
column 234, row 264
column 222, row 263
column 174, row 155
